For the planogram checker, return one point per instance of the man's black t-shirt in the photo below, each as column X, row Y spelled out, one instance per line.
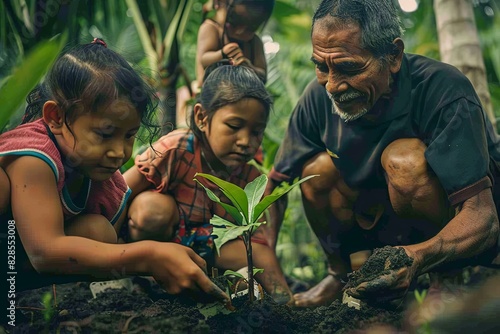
column 431, row 101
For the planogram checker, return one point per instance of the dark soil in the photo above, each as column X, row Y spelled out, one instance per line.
column 379, row 263
column 148, row 309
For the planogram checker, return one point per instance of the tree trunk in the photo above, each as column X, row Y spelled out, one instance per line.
column 459, row 45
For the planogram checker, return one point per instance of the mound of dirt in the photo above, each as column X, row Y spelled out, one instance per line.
column 379, row 263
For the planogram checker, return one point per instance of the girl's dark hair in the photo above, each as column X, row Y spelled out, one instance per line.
column 265, row 7
column 378, row 20
column 227, row 84
column 88, row 77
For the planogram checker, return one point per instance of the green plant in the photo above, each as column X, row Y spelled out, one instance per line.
column 49, row 310
column 420, row 297
column 233, row 286
column 247, row 208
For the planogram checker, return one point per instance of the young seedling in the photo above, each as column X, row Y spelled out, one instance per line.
column 424, row 328
column 233, row 287
column 49, row 309
column 247, row 208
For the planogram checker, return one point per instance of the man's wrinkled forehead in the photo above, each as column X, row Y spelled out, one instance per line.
column 330, row 24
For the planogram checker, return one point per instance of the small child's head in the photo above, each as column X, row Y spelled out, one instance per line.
column 245, row 17
column 93, row 103
column 232, row 113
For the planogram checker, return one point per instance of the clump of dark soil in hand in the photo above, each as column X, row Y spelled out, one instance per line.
column 379, row 263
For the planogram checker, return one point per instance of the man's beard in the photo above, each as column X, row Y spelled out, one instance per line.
column 344, row 97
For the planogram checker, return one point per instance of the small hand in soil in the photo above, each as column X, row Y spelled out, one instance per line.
column 178, row 268
column 385, row 276
column 322, row 293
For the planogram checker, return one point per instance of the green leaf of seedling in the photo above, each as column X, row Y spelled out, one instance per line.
column 236, row 195
column 257, row 271
column 227, row 234
column 254, row 191
column 420, row 296
column 220, row 222
column 47, row 303
column 234, row 212
column 237, row 274
column 275, row 195
column 234, row 273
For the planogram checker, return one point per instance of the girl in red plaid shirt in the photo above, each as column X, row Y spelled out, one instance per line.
column 227, row 127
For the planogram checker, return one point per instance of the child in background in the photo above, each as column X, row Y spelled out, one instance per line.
column 226, row 129
column 60, row 173
column 230, row 34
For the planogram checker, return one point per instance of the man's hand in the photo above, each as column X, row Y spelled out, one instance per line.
column 177, row 268
column 392, row 282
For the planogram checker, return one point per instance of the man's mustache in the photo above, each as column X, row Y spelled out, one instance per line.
column 345, row 96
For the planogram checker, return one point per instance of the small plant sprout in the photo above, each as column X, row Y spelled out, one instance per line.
column 420, row 296
column 247, row 208
column 241, row 278
column 49, row 309
column 424, row 328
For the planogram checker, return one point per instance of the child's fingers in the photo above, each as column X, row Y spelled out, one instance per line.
column 232, row 50
column 198, row 260
column 209, row 287
column 205, row 284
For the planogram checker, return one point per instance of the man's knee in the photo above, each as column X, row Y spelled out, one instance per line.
column 405, row 165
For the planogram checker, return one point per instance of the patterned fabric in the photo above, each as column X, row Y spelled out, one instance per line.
column 107, row 198
column 170, row 165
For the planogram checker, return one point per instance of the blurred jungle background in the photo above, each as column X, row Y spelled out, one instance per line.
column 159, row 38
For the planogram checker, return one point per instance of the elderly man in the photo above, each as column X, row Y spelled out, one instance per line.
column 405, row 154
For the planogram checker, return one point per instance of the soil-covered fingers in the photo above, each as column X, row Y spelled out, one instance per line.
column 204, row 283
column 391, row 285
column 213, row 291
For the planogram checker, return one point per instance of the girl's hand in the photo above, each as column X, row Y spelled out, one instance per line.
column 177, row 268
column 389, row 286
column 233, row 52
column 241, row 61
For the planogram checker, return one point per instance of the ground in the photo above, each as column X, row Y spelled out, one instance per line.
column 148, row 309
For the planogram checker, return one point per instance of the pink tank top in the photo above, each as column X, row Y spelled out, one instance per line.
column 107, row 198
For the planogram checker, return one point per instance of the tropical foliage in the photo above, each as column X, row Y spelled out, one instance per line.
column 159, row 37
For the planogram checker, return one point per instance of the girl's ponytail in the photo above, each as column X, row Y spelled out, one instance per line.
column 35, row 101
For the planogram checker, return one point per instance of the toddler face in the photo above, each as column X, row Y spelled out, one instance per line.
column 102, row 141
column 236, row 131
column 243, row 22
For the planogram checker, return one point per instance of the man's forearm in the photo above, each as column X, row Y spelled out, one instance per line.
column 471, row 232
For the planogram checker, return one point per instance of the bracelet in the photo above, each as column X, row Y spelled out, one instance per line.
column 224, row 56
